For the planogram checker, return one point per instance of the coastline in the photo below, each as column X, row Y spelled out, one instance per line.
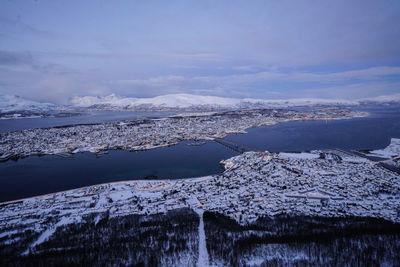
column 222, row 132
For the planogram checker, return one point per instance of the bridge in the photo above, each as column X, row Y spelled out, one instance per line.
column 236, row 146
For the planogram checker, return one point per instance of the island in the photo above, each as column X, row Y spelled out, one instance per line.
column 144, row 134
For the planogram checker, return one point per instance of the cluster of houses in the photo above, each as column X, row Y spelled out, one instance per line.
column 253, row 185
column 146, row 134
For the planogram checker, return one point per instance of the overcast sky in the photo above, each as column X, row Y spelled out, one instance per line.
column 52, row 50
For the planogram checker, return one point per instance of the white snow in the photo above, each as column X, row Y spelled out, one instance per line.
column 203, row 253
column 355, row 159
column 121, row 195
column 13, row 103
column 300, row 102
column 302, row 155
column 255, row 261
column 382, row 99
column 101, row 202
column 172, row 100
column 392, row 150
column 189, row 100
column 8, row 233
column 255, row 187
column 65, row 220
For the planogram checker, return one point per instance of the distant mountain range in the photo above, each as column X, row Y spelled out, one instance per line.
column 193, row 102
column 11, row 103
column 12, row 106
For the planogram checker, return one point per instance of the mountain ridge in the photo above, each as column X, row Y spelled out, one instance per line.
column 185, row 101
column 12, row 104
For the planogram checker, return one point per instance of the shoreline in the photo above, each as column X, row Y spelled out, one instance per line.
column 5, row 203
column 146, row 147
column 254, row 195
column 320, row 187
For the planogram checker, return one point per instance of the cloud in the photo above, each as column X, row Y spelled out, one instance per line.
column 268, row 84
column 195, row 56
column 155, row 81
column 363, row 74
column 267, row 76
column 26, row 61
column 15, row 58
column 355, row 91
column 268, row 48
column 16, row 27
column 243, row 68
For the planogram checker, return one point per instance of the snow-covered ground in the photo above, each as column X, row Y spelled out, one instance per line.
column 319, row 183
column 302, row 155
column 142, row 134
column 392, row 150
column 203, row 260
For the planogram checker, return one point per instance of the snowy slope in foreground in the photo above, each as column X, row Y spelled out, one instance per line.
column 12, row 103
column 392, row 150
column 182, row 101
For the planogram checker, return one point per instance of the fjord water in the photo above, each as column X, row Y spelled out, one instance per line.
column 39, row 175
column 372, row 132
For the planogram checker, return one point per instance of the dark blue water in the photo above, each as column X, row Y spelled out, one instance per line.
column 371, row 132
column 39, row 175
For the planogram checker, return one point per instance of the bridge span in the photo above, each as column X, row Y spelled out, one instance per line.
column 236, row 146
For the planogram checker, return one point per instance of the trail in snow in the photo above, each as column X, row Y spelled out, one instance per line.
column 50, row 231
column 203, row 253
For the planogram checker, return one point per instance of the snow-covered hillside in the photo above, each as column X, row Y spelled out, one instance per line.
column 12, row 106
column 384, row 99
column 12, row 103
column 295, row 102
column 392, row 150
column 168, row 101
column 187, row 101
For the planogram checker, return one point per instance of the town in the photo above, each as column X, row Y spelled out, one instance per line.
column 144, row 134
column 254, row 185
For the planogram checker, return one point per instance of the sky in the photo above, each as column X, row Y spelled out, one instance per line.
column 53, row 50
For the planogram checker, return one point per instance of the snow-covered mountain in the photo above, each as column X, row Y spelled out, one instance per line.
column 384, row 99
column 297, row 102
column 12, row 106
column 166, row 101
column 188, row 101
column 11, row 103
column 15, row 106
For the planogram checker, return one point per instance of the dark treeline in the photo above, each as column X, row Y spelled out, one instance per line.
column 134, row 240
column 172, row 239
column 303, row 241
